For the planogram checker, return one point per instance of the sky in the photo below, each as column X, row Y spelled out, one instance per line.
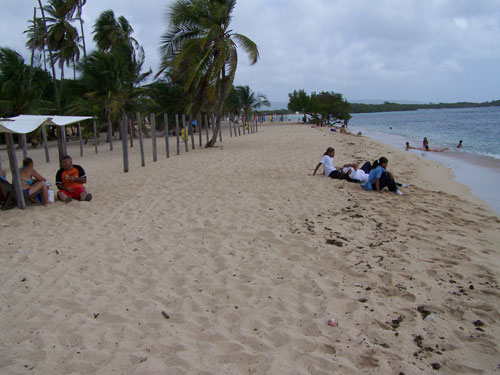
column 407, row 50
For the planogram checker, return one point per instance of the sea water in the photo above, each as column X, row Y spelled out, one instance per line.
column 477, row 164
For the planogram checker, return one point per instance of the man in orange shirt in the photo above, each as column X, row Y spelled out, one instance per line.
column 69, row 180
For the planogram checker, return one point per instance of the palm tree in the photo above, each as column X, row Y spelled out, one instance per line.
column 199, row 45
column 36, row 37
column 61, row 37
column 250, row 101
column 80, row 4
column 110, row 33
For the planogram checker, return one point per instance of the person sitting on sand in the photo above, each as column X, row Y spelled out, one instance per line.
column 343, row 130
column 328, row 166
column 32, row 181
column 69, row 180
column 379, row 178
column 352, row 173
column 459, row 144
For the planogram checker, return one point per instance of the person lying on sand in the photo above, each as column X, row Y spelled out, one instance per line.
column 328, row 166
column 352, row 173
column 379, row 178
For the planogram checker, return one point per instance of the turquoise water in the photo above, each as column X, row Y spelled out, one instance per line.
column 479, row 128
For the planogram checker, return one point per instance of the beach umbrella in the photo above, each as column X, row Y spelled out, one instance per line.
column 24, row 124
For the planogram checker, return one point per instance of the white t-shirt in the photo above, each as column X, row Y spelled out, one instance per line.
column 327, row 162
column 359, row 175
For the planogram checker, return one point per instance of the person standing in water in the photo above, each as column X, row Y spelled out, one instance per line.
column 459, row 144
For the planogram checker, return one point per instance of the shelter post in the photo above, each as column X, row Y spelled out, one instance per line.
column 81, row 139
column 177, row 133
column 165, row 133
column 123, row 131
column 191, row 131
column 95, row 136
column 45, row 144
column 11, row 150
column 131, row 132
column 206, row 126
column 184, row 129
column 141, row 142
column 198, row 127
column 153, row 135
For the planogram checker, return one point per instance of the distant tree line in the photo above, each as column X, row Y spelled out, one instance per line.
column 392, row 107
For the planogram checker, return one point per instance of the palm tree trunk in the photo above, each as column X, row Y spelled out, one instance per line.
column 32, row 51
column 81, row 27
column 52, row 62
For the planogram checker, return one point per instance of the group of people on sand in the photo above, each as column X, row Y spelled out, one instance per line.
column 425, row 146
column 70, row 179
column 372, row 176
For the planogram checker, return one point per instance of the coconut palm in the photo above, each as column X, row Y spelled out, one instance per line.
column 36, row 37
column 200, row 46
column 110, row 32
column 79, row 5
column 250, row 101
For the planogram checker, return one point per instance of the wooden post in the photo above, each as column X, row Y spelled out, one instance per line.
column 81, row 139
column 177, row 133
column 239, row 128
column 64, row 140
column 220, row 131
column 45, row 144
column 141, row 142
column 230, row 128
column 206, row 126
column 16, row 180
column 256, row 125
column 60, row 144
column 185, row 132
column 191, row 131
column 165, row 131
column 95, row 136
column 1, row 162
column 130, row 125
column 153, row 135
column 244, row 123
column 198, row 127
column 25, row 147
column 123, row 133
column 110, row 132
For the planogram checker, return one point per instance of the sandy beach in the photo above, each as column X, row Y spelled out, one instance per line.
column 249, row 256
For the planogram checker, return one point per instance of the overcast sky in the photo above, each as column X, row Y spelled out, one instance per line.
column 427, row 51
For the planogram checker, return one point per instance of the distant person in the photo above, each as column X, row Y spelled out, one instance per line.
column 379, row 178
column 32, row 181
column 408, row 147
column 328, row 164
column 69, row 180
column 425, row 143
column 344, row 130
column 459, row 144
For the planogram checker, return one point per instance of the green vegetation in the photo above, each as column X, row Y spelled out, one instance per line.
column 392, row 107
column 323, row 107
column 199, row 61
column 200, row 49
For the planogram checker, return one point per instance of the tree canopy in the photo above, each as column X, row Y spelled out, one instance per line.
column 322, row 107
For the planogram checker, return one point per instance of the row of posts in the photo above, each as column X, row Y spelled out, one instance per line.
column 236, row 129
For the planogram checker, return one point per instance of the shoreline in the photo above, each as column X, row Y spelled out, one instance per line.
column 249, row 256
column 479, row 173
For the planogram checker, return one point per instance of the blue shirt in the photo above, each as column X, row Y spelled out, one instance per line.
column 374, row 174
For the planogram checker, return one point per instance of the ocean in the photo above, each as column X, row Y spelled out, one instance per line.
column 476, row 165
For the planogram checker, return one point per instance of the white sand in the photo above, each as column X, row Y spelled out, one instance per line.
column 231, row 243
